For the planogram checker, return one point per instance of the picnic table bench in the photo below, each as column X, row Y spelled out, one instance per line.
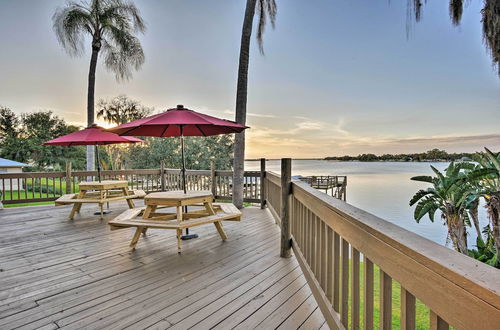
column 148, row 217
column 100, row 193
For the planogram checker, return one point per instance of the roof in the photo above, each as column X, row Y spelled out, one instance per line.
column 10, row 163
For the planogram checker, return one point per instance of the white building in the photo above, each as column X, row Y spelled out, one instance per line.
column 10, row 166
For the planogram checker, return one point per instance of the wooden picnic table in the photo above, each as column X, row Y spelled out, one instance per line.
column 100, row 193
column 206, row 212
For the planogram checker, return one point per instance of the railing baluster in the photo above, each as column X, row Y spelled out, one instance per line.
column 437, row 323
column 336, row 272
column 385, row 301
column 407, row 310
column 319, row 253
column 345, row 284
column 368, row 294
column 324, row 256
column 312, row 242
column 329, row 264
column 355, row 289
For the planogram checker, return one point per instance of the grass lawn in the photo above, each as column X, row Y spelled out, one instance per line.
column 14, row 195
column 40, row 184
column 422, row 311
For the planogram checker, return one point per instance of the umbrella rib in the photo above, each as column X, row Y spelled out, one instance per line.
column 199, row 129
column 164, row 130
column 130, row 130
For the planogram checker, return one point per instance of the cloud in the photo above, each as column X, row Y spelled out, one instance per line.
column 310, row 125
column 251, row 114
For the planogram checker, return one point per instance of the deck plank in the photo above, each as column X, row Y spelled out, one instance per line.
column 60, row 273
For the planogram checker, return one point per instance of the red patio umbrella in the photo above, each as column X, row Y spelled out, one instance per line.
column 179, row 122
column 93, row 135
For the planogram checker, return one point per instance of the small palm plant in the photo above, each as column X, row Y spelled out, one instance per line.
column 448, row 194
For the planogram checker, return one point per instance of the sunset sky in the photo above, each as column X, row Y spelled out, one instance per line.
column 338, row 76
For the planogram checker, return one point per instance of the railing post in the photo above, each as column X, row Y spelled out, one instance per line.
column 68, row 177
column 212, row 179
column 262, row 186
column 162, row 176
column 344, row 189
column 286, row 189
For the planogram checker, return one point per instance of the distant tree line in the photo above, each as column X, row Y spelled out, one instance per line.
column 22, row 137
column 431, row 155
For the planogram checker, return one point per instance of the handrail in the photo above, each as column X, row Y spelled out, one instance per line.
column 335, row 242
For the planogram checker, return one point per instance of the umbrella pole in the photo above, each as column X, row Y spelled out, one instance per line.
column 99, row 177
column 183, row 170
column 98, row 163
column 183, row 163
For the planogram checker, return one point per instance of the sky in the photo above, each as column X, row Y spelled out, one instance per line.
column 338, row 76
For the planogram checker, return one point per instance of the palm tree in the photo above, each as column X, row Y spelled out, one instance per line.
column 448, row 194
column 489, row 190
column 266, row 9
column 111, row 26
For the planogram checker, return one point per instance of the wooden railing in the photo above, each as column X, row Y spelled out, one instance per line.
column 341, row 250
column 33, row 187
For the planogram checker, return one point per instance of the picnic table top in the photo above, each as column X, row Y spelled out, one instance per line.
column 177, row 195
column 105, row 184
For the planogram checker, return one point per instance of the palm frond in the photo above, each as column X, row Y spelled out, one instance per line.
column 423, row 207
column 123, row 55
column 456, row 10
column 422, row 178
column 493, row 158
column 70, row 25
column 438, row 173
column 491, row 30
column 265, row 9
column 420, row 194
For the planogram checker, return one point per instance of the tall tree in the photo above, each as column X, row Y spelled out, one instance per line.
column 266, row 10
column 111, row 26
column 21, row 139
column 121, row 109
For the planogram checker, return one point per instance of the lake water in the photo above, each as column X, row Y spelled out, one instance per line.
column 381, row 188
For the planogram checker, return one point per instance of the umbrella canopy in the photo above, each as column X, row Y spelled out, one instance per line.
column 93, row 135
column 178, row 122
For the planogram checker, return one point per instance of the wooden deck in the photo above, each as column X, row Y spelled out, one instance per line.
column 56, row 273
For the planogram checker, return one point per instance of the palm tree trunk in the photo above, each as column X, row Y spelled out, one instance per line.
column 241, row 103
column 474, row 215
column 458, row 234
column 493, row 207
column 90, row 105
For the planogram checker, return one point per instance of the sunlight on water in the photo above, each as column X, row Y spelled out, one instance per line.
column 381, row 188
